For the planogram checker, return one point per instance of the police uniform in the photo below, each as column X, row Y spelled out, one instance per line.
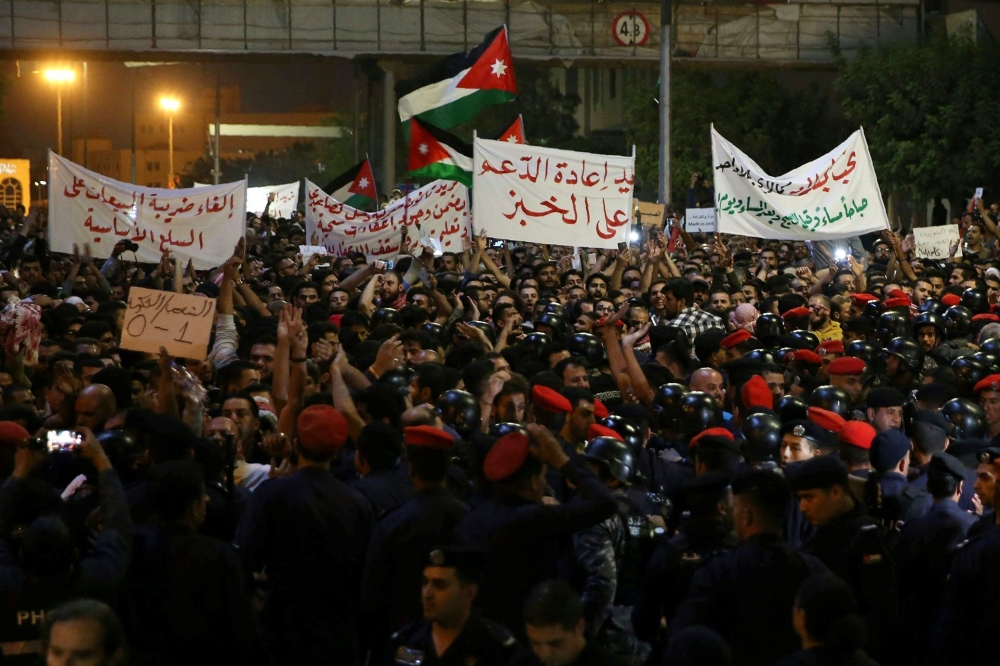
column 385, row 490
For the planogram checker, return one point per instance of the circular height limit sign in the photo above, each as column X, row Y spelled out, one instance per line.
column 631, row 29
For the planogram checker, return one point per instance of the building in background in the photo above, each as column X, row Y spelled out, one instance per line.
column 15, row 183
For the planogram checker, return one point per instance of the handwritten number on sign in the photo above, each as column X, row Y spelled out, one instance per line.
column 180, row 338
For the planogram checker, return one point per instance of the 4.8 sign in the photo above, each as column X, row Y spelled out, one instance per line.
column 631, row 29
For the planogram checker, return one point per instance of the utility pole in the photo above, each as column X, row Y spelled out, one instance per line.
column 218, row 121
column 665, row 11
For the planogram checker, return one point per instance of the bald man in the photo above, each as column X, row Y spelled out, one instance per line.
column 426, row 356
column 94, row 406
column 711, row 382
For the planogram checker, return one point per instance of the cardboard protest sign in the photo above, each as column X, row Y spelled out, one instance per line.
column 936, row 242
column 180, row 322
column 286, row 198
column 699, row 220
column 436, row 212
column 544, row 195
column 834, row 196
column 202, row 224
column 651, row 214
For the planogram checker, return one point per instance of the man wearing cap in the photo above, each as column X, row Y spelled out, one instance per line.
column 820, row 322
column 849, row 542
column 452, row 632
column 890, row 458
column 391, row 594
column 580, row 417
column 855, row 443
column 929, row 432
column 885, row 408
column 801, row 440
column 828, row 351
column 846, row 373
column 923, row 554
column 987, row 391
column 311, row 532
column 738, row 343
column 525, row 537
column 985, row 487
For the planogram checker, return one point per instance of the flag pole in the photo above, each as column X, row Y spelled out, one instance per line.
column 665, row 11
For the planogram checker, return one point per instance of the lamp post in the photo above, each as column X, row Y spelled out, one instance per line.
column 40, row 184
column 59, row 78
column 170, row 105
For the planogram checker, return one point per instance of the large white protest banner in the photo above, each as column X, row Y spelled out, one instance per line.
column 439, row 211
column 202, row 224
column 544, row 195
column 834, row 196
column 286, row 198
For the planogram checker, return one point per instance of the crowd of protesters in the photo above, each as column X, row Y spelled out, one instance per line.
column 693, row 450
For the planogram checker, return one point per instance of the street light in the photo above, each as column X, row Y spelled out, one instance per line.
column 171, row 106
column 40, row 184
column 59, row 78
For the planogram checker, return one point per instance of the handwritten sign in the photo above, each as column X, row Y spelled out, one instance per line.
column 180, row 322
column 436, row 212
column 651, row 214
column 286, row 198
column 202, row 224
column 936, row 242
column 699, row 220
column 544, row 195
column 835, row 196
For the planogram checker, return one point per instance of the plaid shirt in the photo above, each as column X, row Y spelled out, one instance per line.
column 695, row 322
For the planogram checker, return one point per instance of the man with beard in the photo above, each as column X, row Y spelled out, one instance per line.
column 845, row 374
column 820, row 322
column 391, row 293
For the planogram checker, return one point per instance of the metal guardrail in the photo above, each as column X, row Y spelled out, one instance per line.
column 541, row 29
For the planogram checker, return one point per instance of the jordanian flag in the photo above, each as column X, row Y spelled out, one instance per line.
column 436, row 154
column 355, row 187
column 459, row 87
column 514, row 133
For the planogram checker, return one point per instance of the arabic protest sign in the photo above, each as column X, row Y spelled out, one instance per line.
column 438, row 211
column 699, row 220
column 202, row 224
column 180, row 322
column 936, row 242
column 285, row 200
column 307, row 251
column 544, row 195
column 651, row 214
column 835, row 196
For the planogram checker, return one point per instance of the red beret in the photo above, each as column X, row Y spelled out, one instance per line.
column 506, row 456
column 736, row 338
column 897, row 303
column 12, row 434
column 864, row 298
column 986, row 316
column 322, row 430
column 595, row 430
column 601, row 322
column 427, row 436
column 803, row 355
column 600, row 411
column 830, row 347
column 826, row 419
column 857, row 433
column 847, row 365
column 548, row 400
column 711, row 432
column 899, row 293
column 335, row 319
column 755, row 393
column 796, row 312
column 990, row 383
column 951, row 299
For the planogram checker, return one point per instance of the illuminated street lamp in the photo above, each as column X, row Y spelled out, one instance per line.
column 59, row 78
column 40, row 184
column 171, row 106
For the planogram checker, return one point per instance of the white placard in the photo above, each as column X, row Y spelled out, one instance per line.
column 935, row 242
column 438, row 211
column 544, row 195
column 835, row 196
column 285, row 200
column 699, row 220
column 202, row 224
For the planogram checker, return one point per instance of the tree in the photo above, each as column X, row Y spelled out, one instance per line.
column 779, row 128
column 929, row 115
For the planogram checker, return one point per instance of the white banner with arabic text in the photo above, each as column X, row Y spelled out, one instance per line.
column 545, row 195
column 202, row 224
column 286, row 199
column 835, row 196
column 439, row 211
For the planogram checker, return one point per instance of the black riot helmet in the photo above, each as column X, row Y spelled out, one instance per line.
column 968, row 372
column 767, row 356
column 460, row 410
column 768, row 327
column 929, row 319
column 399, row 378
column 762, row 437
column 873, row 310
column 435, row 329
column 908, row 351
column 557, row 309
column 555, row 324
column 532, row 343
column 832, row 399
column 613, row 455
column 491, row 334
column 121, row 448
column 698, row 411
column 990, row 359
column 667, row 399
column 958, row 321
column 383, row 316
column 586, row 345
column 630, row 432
column 500, row 429
column 990, row 346
column 975, row 301
column 804, row 339
column 866, row 350
column 933, row 305
column 966, row 417
column 892, row 324
column 792, row 408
